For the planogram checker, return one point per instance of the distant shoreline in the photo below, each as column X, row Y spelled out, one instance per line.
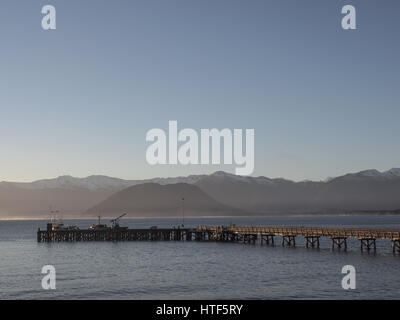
column 44, row 218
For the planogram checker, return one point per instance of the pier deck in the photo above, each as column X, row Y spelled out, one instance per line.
column 244, row 234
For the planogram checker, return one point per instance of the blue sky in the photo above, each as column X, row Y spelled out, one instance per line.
column 79, row 100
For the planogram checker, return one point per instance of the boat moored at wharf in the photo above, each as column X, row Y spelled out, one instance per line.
column 244, row 234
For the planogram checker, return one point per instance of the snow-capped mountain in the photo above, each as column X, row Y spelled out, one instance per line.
column 68, row 182
column 393, row 173
column 247, row 179
column 96, row 182
column 192, row 179
column 101, row 182
column 368, row 190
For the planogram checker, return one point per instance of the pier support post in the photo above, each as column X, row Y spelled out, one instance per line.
column 367, row 243
column 396, row 245
column 313, row 241
column 268, row 238
column 339, row 242
column 197, row 236
column 288, row 240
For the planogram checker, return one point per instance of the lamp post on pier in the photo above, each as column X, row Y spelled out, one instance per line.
column 183, row 212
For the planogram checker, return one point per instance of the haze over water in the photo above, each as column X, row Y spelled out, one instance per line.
column 196, row 270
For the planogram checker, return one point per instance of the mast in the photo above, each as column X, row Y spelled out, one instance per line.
column 183, row 212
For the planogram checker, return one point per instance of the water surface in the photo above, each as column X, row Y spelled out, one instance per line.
column 196, row 270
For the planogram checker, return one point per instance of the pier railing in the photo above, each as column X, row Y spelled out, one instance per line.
column 308, row 231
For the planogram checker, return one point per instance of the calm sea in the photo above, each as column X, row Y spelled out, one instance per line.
column 196, row 270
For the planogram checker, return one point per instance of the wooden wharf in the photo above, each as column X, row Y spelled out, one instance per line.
column 244, row 234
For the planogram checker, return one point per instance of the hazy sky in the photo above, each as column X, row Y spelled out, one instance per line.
column 79, row 100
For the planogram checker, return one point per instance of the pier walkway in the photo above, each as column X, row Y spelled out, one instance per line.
column 244, row 234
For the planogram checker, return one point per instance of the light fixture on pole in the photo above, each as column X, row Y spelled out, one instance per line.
column 183, row 212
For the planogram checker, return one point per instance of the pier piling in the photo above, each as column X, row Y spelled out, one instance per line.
column 312, row 241
column 288, row 240
column 339, row 242
column 367, row 243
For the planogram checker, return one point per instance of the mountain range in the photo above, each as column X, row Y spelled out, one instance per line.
column 219, row 193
